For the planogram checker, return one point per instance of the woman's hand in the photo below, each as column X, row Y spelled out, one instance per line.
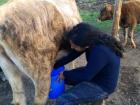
column 61, row 76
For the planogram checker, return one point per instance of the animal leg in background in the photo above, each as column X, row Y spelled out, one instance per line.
column 125, row 36
column 131, row 35
column 14, row 78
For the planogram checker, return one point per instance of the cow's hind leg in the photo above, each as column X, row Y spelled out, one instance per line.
column 14, row 78
column 125, row 36
column 131, row 35
column 42, row 87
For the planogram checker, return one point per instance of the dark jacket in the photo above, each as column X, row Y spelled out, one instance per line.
column 102, row 68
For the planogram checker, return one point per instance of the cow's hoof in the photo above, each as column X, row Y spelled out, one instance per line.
column 124, row 55
column 14, row 103
column 39, row 103
column 124, row 44
column 134, row 46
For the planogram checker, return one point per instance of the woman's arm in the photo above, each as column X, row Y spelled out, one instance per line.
column 97, row 60
column 66, row 58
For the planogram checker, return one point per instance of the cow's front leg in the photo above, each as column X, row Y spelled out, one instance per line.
column 125, row 36
column 131, row 35
column 14, row 78
column 42, row 87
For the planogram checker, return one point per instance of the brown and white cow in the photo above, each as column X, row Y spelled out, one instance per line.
column 130, row 17
column 30, row 37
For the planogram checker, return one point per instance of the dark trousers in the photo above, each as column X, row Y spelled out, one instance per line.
column 82, row 93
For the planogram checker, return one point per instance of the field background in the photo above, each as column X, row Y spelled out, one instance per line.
column 90, row 15
column 3, row 1
column 128, row 91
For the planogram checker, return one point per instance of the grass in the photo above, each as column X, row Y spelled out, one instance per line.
column 3, row 1
column 138, row 28
column 91, row 17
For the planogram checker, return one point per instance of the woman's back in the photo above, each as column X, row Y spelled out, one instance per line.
column 108, row 75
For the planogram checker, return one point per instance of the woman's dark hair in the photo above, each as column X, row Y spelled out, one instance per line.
column 85, row 34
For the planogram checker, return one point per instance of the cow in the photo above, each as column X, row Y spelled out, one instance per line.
column 31, row 32
column 130, row 17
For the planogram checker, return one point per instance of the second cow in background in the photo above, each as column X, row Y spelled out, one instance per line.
column 130, row 17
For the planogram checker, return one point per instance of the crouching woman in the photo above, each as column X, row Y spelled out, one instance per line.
column 98, row 79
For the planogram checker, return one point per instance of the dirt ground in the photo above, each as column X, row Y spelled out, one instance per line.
column 127, row 93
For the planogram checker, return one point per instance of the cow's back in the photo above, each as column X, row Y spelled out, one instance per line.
column 131, row 10
column 33, row 30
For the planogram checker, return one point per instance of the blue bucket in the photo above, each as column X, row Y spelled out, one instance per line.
column 57, row 87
